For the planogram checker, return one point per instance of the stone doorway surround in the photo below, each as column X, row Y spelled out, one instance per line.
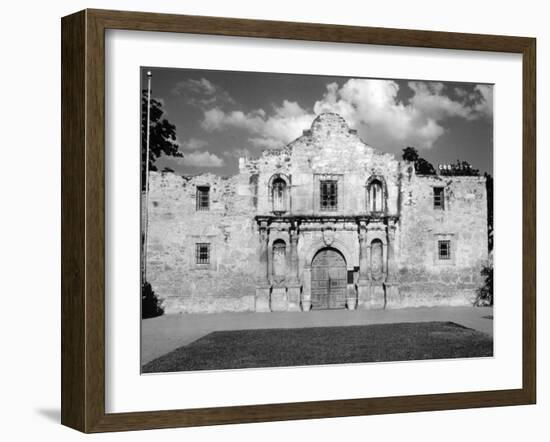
column 368, row 285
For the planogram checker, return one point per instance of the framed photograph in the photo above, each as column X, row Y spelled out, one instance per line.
column 268, row 221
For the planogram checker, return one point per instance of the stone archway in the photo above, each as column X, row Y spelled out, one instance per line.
column 328, row 279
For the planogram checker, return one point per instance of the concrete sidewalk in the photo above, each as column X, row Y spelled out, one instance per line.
column 166, row 333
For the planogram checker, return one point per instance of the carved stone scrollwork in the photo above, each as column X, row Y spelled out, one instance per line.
column 328, row 236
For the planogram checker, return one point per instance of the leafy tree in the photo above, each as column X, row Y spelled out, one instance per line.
column 162, row 135
column 421, row 165
column 489, row 187
column 485, row 292
column 410, row 154
column 151, row 306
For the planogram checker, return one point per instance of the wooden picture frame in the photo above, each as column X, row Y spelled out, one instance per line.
column 83, row 220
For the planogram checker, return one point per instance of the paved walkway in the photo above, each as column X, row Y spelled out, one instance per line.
column 166, row 333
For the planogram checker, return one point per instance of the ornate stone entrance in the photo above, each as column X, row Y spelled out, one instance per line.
column 328, row 280
column 333, row 262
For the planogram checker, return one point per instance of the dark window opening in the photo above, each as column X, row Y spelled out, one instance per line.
column 329, row 195
column 439, row 198
column 444, row 249
column 203, row 198
column 202, row 253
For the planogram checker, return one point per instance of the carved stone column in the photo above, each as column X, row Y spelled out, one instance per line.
column 263, row 287
column 392, row 286
column 269, row 260
column 293, row 234
column 391, row 274
column 363, row 255
column 263, row 271
column 363, row 283
column 294, row 286
column 369, row 260
column 306, row 292
column 384, row 259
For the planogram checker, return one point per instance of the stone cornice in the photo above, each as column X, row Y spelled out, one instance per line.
column 296, row 220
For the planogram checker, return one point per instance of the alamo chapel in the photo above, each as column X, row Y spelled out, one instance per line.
column 327, row 222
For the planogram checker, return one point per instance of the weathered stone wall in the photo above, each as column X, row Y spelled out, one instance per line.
column 329, row 149
column 242, row 228
column 228, row 283
column 423, row 278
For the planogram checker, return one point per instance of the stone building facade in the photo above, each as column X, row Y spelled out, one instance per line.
column 326, row 222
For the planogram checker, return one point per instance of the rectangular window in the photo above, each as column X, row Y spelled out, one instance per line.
column 439, row 198
column 202, row 253
column 444, row 249
column 203, row 198
column 329, row 195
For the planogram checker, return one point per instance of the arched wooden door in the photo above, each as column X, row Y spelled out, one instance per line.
column 328, row 280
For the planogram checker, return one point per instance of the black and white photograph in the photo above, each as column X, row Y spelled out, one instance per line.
column 303, row 220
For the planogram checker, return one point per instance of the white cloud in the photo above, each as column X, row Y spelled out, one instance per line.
column 370, row 106
column 286, row 124
column 373, row 108
column 429, row 102
column 216, row 119
column 484, row 104
column 480, row 100
column 201, row 159
column 192, row 144
column 460, row 92
column 237, row 153
column 266, row 143
column 202, row 93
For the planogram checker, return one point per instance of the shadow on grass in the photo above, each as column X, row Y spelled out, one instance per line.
column 325, row 345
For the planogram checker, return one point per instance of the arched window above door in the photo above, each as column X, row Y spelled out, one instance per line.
column 376, row 195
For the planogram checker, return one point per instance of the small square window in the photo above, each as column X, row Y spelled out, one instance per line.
column 444, row 249
column 203, row 198
column 329, row 195
column 202, row 253
column 439, row 198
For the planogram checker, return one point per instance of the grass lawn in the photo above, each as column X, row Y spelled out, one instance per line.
column 325, row 345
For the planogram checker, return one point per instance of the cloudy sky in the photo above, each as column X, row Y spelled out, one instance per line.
column 221, row 115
